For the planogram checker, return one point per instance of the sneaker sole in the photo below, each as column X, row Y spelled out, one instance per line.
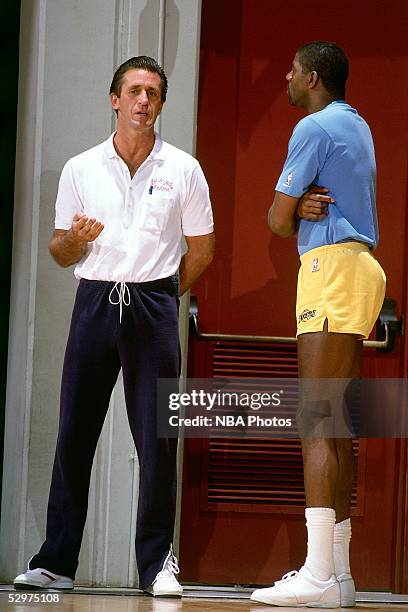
column 334, row 604
column 329, row 605
column 312, row 604
column 164, row 595
column 24, row 586
column 31, row 587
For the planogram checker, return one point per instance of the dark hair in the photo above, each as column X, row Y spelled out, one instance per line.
column 329, row 61
column 142, row 62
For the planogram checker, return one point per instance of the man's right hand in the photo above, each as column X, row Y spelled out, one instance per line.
column 69, row 246
column 313, row 205
column 85, row 229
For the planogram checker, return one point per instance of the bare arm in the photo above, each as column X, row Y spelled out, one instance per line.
column 282, row 215
column 199, row 255
column 67, row 247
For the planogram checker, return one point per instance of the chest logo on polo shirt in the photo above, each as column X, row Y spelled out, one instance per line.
column 315, row 267
column 288, row 181
column 160, row 183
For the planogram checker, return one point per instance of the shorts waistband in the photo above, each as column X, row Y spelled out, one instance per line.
column 357, row 247
column 170, row 284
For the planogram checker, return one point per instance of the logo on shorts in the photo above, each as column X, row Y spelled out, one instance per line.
column 306, row 315
column 289, row 180
column 315, row 267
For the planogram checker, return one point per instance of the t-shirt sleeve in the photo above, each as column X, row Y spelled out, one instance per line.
column 308, row 149
column 68, row 200
column 196, row 211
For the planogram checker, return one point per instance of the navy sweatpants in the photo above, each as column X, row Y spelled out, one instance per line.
column 146, row 345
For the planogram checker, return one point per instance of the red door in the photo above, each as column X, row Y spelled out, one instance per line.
column 242, row 510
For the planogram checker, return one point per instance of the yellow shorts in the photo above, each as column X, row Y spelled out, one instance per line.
column 342, row 283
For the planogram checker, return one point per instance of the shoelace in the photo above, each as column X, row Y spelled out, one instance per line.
column 170, row 565
column 123, row 297
column 287, row 576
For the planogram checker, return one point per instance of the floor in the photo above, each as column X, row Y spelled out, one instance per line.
column 126, row 600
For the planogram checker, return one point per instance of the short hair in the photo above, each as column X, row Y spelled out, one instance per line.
column 329, row 61
column 141, row 62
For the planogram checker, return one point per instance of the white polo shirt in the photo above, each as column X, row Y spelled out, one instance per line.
column 145, row 216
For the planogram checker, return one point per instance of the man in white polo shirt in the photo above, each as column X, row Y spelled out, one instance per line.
column 122, row 210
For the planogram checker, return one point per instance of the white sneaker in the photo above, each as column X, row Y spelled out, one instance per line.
column 347, row 591
column 301, row 589
column 166, row 584
column 41, row 578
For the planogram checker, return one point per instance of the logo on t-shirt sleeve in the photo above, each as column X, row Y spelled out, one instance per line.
column 288, row 181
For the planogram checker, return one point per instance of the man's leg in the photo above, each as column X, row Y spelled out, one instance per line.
column 342, row 528
column 149, row 350
column 329, row 463
column 91, row 367
column 345, row 458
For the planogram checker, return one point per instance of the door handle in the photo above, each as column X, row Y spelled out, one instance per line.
column 388, row 326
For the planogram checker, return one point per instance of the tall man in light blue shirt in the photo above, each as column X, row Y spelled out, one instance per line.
column 334, row 147
column 340, row 292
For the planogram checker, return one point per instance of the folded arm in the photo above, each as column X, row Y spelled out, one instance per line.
column 285, row 212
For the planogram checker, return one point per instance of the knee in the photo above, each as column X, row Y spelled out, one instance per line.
column 313, row 418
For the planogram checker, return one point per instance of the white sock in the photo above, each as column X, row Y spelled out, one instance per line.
column 342, row 537
column 320, row 534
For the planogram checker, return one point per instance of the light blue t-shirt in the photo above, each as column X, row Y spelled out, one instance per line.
column 334, row 148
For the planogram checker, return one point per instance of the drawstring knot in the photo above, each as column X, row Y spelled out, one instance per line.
column 123, row 294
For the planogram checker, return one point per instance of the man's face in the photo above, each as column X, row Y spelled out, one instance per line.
column 139, row 102
column 297, row 84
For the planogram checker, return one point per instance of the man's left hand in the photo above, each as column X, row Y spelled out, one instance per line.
column 313, row 205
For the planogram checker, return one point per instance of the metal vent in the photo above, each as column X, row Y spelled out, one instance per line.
column 234, row 360
column 241, row 473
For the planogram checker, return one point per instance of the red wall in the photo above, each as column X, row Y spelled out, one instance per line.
column 244, row 124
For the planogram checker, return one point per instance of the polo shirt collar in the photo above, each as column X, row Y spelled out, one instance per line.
column 156, row 153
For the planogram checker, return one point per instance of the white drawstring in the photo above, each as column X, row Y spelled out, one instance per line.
column 123, row 297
